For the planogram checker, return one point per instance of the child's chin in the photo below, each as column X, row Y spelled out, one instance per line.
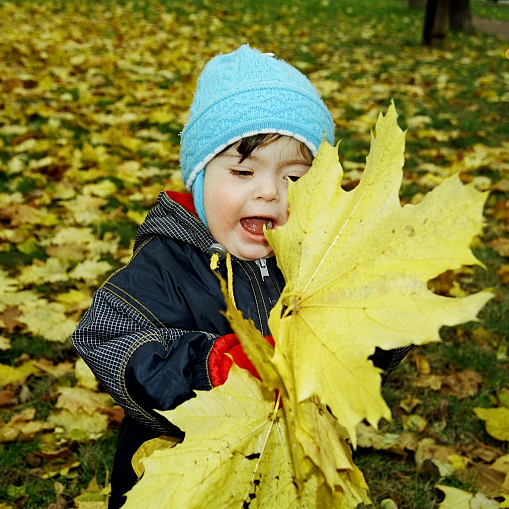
column 254, row 253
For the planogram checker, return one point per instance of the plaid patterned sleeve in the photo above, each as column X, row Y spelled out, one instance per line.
column 106, row 338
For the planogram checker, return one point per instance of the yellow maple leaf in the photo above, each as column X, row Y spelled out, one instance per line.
column 73, row 235
column 136, row 216
column 90, row 270
column 356, row 266
column 103, row 189
column 309, row 422
column 497, row 421
column 93, row 497
column 129, row 171
column 20, row 214
column 84, row 376
column 74, row 399
column 10, row 374
column 50, row 271
column 66, row 252
column 161, row 117
column 454, row 498
column 80, row 426
column 236, row 438
column 47, row 319
column 77, row 412
column 86, row 209
column 23, row 426
column 150, row 446
column 5, row 343
column 55, row 370
column 75, row 299
column 459, row 499
column 10, row 295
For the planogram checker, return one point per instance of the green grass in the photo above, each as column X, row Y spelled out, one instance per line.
column 399, row 481
column 491, row 10
column 392, row 475
column 23, row 486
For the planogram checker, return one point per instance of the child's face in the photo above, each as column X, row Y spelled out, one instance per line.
column 241, row 198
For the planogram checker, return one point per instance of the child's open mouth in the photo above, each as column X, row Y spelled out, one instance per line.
column 256, row 224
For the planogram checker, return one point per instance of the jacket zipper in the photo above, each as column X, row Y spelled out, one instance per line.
column 262, row 265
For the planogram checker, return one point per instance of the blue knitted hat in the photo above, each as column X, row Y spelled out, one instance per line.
column 241, row 94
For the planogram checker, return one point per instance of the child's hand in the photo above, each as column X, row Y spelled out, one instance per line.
column 226, row 350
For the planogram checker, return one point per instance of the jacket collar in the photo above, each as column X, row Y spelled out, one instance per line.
column 174, row 218
column 184, row 199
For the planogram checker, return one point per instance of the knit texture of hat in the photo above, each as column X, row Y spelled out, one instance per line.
column 241, row 94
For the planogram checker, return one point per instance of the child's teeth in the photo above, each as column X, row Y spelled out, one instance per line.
column 269, row 225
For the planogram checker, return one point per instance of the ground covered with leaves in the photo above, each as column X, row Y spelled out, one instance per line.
column 92, row 98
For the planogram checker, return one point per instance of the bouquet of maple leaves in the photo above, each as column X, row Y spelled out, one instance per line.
column 356, row 266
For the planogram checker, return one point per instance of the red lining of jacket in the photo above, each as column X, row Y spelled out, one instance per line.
column 185, row 199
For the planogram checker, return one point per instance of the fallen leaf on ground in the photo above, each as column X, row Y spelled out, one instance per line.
column 47, row 319
column 367, row 437
column 414, row 423
column 458, row 499
column 90, row 270
column 79, row 426
column 50, row 271
column 410, row 404
column 501, row 246
column 8, row 398
column 78, row 413
column 94, row 497
column 501, row 210
column 84, row 376
column 454, row 498
column 485, row 453
column 461, row 384
column 22, row 426
column 9, row 319
column 5, row 343
column 422, row 365
column 115, row 414
column 55, row 370
column 497, row 421
column 503, row 273
column 439, row 455
column 502, row 465
column 74, row 399
column 10, row 374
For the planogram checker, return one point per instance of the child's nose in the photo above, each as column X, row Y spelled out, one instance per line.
column 267, row 189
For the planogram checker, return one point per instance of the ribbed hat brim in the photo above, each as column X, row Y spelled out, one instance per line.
column 233, row 116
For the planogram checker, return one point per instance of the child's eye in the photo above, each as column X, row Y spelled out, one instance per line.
column 241, row 173
column 293, row 178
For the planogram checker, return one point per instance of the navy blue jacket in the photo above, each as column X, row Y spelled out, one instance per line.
column 151, row 326
column 150, row 329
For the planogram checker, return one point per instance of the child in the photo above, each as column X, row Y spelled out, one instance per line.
column 155, row 331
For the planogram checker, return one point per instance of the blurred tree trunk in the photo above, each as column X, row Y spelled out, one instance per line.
column 461, row 16
column 442, row 14
column 436, row 22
